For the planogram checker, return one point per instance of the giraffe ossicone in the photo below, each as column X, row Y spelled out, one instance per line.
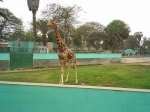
column 65, row 54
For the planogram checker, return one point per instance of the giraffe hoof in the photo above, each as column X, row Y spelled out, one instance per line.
column 60, row 82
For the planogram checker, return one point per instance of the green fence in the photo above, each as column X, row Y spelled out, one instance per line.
column 18, row 47
column 18, row 60
column 4, row 49
column 15, row 50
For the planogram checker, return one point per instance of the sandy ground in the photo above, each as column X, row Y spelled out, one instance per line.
column 136, row 60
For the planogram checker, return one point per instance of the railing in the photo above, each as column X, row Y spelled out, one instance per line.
column 15, row 49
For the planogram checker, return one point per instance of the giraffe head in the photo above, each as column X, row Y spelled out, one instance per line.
column 51, row 23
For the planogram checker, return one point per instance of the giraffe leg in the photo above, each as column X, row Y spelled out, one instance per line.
column 76, row 76
column 68, row 72
column 75, row 68
column 62, row 74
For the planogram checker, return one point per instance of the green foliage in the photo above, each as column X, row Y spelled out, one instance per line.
column 146, row 45
column 116, row 32
column 96, row 39
column 38, row 38
column 118, row 28
column 138, row 35
column 17, row 35
column 65, row 16
column 43, row 28
column 82, row 32
column 143, row 49
column 77, row 43
column 119, row 75
column 131, row 43
column 28, row 36
column 13, row 24
column 2, row 13
column 51, row 37
column 86, row 29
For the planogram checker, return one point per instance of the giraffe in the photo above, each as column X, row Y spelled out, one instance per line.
column 65, row 54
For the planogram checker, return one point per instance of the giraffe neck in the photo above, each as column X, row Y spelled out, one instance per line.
column 57, row 32
column 62, row 46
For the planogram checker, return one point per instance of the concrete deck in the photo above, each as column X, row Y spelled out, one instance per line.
column 74, row 86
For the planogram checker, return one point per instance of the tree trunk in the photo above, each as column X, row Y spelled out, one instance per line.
column 44, row 39
column 34, row 28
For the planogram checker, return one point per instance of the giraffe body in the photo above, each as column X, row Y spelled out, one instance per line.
column 65, row 54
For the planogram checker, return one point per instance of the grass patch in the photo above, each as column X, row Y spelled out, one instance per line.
column 126, row 76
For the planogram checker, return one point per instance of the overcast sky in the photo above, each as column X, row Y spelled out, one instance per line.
column 135, row 13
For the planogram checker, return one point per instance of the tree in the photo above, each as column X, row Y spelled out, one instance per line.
column 89, row 27
column 43, row 28
column 7, row 28
column 18, row 33
column 51, row 36
column 116, row 31
column 138, row 36
column 77, row 43
column 131, row 43
column 146, row 44
column 83, row 31
column 65, row 16
column 96, row 39
column 28, row 36
column 2, row 13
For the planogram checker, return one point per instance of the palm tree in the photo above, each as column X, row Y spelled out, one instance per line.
column 43, row 28
column 33, row 6
column 116, row 31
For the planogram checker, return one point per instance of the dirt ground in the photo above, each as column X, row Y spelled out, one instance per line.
column 136, row 60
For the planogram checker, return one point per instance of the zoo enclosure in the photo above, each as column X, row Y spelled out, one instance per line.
column 29, row 60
